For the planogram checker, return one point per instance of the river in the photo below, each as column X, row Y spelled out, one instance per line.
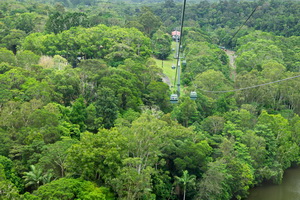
column 288, row 190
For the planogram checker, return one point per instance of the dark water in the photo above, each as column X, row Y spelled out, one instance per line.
column 288, row 190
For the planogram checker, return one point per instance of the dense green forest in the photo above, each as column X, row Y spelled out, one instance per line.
column 85, row 113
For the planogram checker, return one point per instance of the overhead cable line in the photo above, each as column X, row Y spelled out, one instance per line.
column 180, row 39
column 250, row 87
column 243, row 24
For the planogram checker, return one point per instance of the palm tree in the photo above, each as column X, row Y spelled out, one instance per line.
column 186, row 179
column 35, row 177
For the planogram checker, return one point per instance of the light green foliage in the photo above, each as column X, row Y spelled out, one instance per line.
column 54, row 157
column 97, row 157
column 128, row 167
column 237, row 158
column 254, row 54
column 274, row 96
column 4, row 67
column 258, row 151
column 59, row 62
column 146, row 73
column 213, row 81
column 271, row 169
column 7, row 56
column 214, row 184
column 22, row 84
column 9, row 173
column 22, row 21
column 127, row 118
column 119, row 52
column 242, row 118
column 242, row 178
column 213, row 124
column 6, row 165
column 130, row 184
column 26, row 58
column 34, row 89
column 147, row 131
column 43, row 122
column 245, row 80
column 8, row 190
column 13, row 80
column 201, row 57
column 92, row 121
column 69, row 189
column 114, row 44
column 263, row 47
column 295, row 123
column 287, row 151
column 186, row 113
column 66, row 84
column 21, row 115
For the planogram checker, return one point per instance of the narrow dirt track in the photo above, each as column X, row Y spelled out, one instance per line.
column 232, row 57
column 165, row 79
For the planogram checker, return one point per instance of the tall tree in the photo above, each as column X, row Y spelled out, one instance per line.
column 149, row 21
column 35, row 177
column 161, row 44
column 186, row 180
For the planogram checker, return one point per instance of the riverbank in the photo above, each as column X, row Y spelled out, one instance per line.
column 289, row 189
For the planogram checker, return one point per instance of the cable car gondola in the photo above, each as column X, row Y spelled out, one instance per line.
column 174, row 98
column 193, row 95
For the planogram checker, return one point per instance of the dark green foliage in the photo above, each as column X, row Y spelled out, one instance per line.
column 158, row 95
column 161, row 45
column 59, row 22
column 13, row 39
column 6, row 143
column 149, row 21
column 229, row 15
column 54, row 156
column 106, row 107
column 78, row 113
column 82, row 96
